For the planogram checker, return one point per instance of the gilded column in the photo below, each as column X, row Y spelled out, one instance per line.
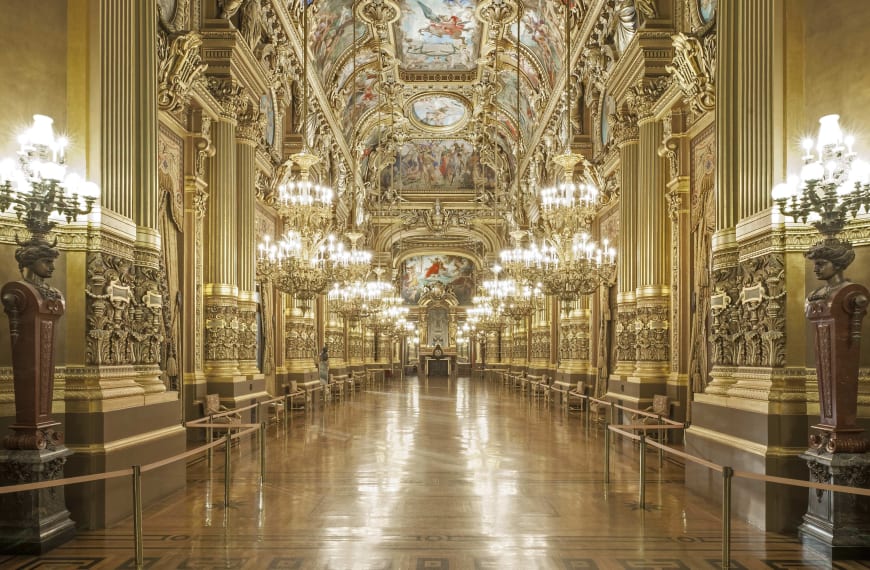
column 653, row 241
column 248, row 134
column 626, row 136
column 300, row 342
column 335, row 340
column 754, row 412
column 150, row 279
column 221, row 262
column 118, row 136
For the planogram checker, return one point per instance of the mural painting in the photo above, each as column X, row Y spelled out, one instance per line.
column 331, row 32
column 421, row 271
column 507, row 98
column 438, row 111
column 440, row 34
column 540, row 33
column 436, row 163
column 363, row 98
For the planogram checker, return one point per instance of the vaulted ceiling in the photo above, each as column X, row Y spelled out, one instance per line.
column 437, row 112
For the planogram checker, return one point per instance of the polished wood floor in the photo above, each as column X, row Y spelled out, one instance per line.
column 433, row 476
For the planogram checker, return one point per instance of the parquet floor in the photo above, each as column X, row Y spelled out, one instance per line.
column 437, row 476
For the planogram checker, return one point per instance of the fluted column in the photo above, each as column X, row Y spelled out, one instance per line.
column 248, row 135
column 653, row 252
column 626, row 135
column 118, row 91
column 221, row 268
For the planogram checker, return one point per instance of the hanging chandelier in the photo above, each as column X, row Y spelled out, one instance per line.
column 350, row 264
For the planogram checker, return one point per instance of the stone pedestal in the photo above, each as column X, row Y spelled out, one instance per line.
column 838, row 523
column 33, row 522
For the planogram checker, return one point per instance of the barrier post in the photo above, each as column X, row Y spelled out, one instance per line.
column 727, row 475
column 263, row 452
column 210, row 437
column 137, row 516
column 642, row 484
column 661, row 442
column 606, row 452
column 229, row 442
column 612, row 412
column 588, row 411
column 288, row 405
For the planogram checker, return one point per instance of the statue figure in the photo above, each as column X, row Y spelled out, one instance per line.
column 36, row 262
column 323, row 367
column 829, row 261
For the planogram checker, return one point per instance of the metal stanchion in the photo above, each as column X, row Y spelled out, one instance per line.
column 229, row 442
column 642, row 490
column 210, row 436
column 588, row 412
column 137, row 516
column 287, row 410
column 607, row 452
column 727, row 475
column 661, row 442
column 612, row 412
column 263, row 452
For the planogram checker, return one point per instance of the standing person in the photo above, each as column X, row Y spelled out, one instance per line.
column 323, row 366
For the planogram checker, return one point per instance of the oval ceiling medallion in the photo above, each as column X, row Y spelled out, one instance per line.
column 438, row 112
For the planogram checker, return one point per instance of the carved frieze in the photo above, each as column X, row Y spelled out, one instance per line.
column 251, row 124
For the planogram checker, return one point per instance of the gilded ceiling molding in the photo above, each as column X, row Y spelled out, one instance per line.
column 693, row 69
column 180, row 67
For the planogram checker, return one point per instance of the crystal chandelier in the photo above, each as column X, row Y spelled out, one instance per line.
column 833, row 184
column 297, row 265
column 582, row 267
column 528, row 264
column 350, row 264
column 38, row 185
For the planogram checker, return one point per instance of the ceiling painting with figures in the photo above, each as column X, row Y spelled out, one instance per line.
column 437, row 274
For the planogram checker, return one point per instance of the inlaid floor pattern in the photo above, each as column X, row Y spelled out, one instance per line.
column 433, row 476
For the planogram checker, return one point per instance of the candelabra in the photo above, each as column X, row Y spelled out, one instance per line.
column 833, row 185
column 581, row 268
column 35, row 188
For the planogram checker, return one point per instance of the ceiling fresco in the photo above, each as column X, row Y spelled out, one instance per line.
column 439, row 87
column 438, row 35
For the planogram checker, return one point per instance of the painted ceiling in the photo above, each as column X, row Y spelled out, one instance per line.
column 425, row 91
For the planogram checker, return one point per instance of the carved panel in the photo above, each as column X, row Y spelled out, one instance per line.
column 760, row 340
column 247, row 335
column 625, row 335
column 221, row 331
column 702, row 220
column 109, row 296
column 652, row 324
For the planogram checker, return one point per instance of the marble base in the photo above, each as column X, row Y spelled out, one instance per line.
column 838, row 524
column 33, row 522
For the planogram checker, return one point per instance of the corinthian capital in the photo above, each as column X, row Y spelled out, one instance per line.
column 229, row 94
column 624, row 127
column 251, row 123
column 643, row 96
